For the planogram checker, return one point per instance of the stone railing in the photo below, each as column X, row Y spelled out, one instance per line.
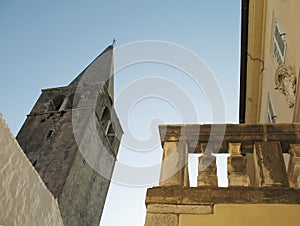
column 256, row 154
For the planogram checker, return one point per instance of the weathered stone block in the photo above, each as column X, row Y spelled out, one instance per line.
column 207, row 163
column 234, row 148
column 180, row 209
column 269, row 164
column 174, row 171
column 294, row 165
column 155, row 219
column 237, row 164
column 207, row 171
column 212, row 195
column 296, row 172
column 237, row 171
column 250, row 168
column 298, row 182
column 205, row 179
column 238, row 179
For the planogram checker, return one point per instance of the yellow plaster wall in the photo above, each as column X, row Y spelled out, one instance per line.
column 246, row 215
column 288, row 16
column 24, row 199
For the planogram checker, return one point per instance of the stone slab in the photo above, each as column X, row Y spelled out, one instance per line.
column 269, row 165
column 219, row 138
column 213, row 195
column 180, row 209
column 155, row 219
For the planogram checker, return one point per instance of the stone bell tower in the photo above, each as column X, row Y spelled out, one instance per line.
column 72, row 136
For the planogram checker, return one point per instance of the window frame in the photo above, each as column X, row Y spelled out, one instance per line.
column 279, row 44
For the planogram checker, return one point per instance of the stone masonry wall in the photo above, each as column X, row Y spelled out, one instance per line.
column 24, row 199
column 67, row 155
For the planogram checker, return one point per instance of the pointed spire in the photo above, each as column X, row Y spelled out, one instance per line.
column 99, row 70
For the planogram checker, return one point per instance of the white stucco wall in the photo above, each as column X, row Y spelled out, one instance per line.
column 24, row 199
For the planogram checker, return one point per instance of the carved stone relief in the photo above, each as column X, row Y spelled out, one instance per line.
column 285, row 81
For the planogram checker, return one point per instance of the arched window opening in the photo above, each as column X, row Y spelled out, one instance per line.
column 56, row 103
column 105, row 115
column 110, row 129
column 110, row 133
column 69, row 103
column 107, row 125
column 105, row 119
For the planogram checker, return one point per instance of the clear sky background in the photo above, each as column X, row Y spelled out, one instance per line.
column 46, row 44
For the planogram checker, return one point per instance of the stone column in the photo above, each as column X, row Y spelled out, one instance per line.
column 237, row 167
column 294, row 166
column 207, row 171
column 269, row 165
column 174, row 168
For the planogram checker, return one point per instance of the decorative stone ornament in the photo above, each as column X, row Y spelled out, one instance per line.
column 285, row 81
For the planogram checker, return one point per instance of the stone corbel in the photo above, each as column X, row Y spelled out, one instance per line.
column 285, row 81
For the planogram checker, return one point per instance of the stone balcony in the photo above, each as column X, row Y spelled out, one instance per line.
column 258, row 177
column 256, row 154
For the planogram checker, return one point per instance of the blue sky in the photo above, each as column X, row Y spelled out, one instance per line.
column 47, row 43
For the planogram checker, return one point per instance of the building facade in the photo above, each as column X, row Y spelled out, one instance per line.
column 71, row 137
column 270, row 62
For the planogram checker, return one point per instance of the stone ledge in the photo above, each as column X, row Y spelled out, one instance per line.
column 176, row 195
column 180, row 209
column 220, row 135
